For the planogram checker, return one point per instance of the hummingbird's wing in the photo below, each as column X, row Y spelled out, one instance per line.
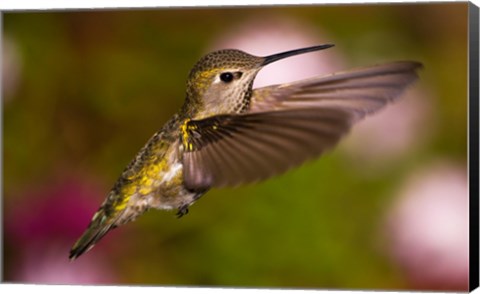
column 228, row 150
column 359, row 91
column 286, row 125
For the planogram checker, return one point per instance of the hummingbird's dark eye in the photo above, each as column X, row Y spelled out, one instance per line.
column 226, row 77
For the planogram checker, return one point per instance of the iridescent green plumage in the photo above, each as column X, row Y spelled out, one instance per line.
column 228, row 134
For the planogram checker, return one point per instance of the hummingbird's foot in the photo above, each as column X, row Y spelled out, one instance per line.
column 183, row 210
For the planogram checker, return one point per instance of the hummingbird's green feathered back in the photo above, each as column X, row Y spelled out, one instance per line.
column 227, row 133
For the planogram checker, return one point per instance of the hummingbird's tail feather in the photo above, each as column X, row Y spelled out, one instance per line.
column 98, row 227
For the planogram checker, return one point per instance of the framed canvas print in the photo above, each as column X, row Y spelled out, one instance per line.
column 271, row 146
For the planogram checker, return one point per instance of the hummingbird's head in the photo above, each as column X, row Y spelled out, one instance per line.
column 221, row 81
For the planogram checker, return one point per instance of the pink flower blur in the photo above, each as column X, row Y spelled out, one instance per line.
column 393, row 132
column 428, row 228
column 41, row 225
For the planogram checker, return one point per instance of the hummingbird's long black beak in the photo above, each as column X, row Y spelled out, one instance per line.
column 278, row 56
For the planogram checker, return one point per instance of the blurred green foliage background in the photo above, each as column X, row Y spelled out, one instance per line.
column 95, row 85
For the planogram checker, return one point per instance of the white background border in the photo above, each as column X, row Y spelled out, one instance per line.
column 7, row 5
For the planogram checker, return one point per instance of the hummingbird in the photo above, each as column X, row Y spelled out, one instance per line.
column 227, row 133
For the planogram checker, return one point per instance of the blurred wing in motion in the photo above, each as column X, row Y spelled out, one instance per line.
column 359, row 91
column 286, row 125
column 228, row 150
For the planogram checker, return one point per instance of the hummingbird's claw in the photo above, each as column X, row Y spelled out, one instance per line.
column 183, row 210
